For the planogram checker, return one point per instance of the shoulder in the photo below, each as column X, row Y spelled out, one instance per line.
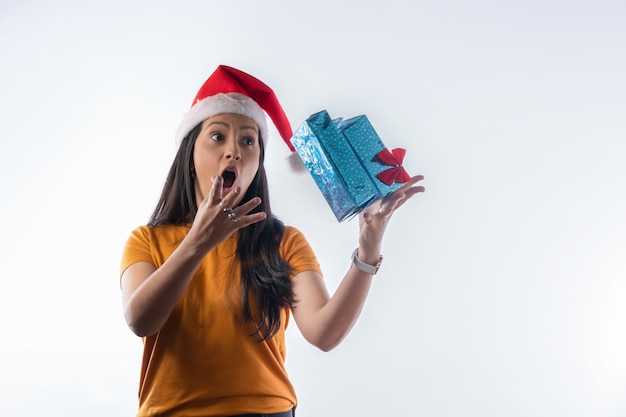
column 292, row 235
column 291, row 231
column 162, row 229
column 297, row 251
column 158, row 235
column 152, row 244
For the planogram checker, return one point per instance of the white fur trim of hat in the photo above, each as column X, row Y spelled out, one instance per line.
column 219, row 104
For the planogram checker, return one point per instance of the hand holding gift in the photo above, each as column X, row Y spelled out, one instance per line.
column 350, row 164
column 373, row 220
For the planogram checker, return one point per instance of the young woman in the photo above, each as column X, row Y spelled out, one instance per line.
column 210, row 281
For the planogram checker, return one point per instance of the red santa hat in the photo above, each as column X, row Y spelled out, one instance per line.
column 229, row 90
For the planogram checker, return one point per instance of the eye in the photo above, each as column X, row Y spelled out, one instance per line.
column 248, row 141
column 217, row 137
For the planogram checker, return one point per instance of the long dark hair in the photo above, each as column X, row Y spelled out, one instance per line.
column 264, row 273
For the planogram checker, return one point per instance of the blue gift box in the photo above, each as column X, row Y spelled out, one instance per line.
column 346, row 159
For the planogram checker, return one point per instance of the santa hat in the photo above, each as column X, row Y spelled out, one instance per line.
column 229, row 90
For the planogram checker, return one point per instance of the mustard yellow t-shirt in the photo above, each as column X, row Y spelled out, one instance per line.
column 203, row 362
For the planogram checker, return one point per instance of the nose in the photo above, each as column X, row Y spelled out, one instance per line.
column 232, row 151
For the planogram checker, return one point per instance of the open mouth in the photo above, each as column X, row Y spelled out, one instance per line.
column 229, row 178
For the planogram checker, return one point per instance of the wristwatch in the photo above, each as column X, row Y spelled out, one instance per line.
column 362, row 266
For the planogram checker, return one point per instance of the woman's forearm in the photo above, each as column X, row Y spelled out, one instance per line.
column 338, row 316
column 151, row 294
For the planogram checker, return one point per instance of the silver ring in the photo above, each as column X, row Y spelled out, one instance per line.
column 233, row 217
column 225, row 209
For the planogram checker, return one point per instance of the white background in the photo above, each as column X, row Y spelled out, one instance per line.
column 503, row 288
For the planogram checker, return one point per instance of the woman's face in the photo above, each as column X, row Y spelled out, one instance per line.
column 227, row 146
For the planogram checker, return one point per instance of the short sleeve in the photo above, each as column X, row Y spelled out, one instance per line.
column 297, row 252
column 137, row 249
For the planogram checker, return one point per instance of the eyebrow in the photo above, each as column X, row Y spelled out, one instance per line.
column 250, row 127
column 217, row 122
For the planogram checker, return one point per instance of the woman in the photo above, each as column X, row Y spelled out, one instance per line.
column 210, row 281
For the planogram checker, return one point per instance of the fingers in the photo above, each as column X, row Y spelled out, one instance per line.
column 215, row 195
column 414, row 180
column 226, row 205
column 410, row 193
column 395, row 200
column 239, row 215
column 388, row 204
column 243, row 210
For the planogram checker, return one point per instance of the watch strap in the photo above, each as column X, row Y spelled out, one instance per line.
column 362, row 266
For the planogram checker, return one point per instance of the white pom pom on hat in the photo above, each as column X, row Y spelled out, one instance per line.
column 229, row 90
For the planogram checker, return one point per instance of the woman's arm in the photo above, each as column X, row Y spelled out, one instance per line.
column 325, row 321
column 149, row 294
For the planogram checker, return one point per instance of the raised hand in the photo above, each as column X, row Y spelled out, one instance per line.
column 374, row 219
column 218, row 217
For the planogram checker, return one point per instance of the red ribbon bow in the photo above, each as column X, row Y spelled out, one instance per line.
column 393, row 159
